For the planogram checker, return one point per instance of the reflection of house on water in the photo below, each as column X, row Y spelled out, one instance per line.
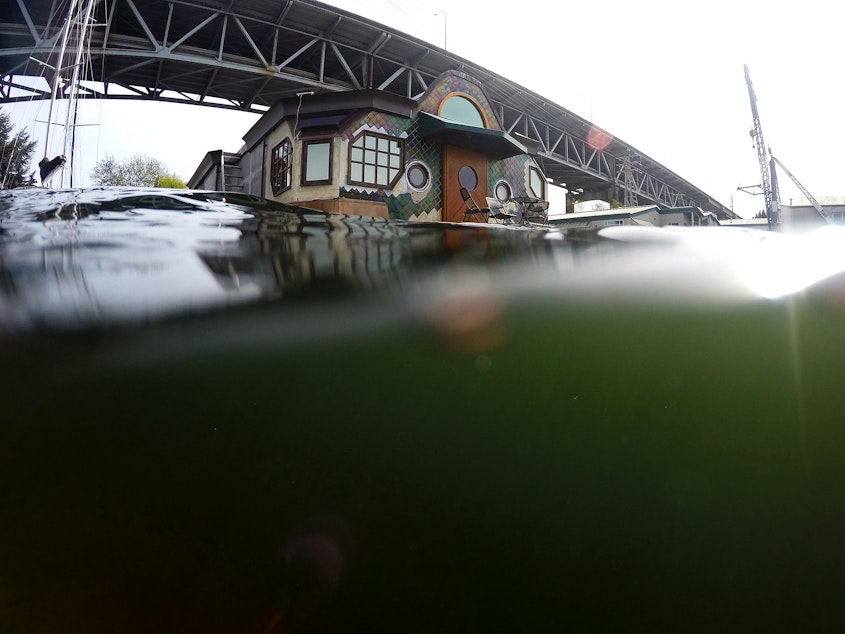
column 298, row 252
column 94, row 256
column 311, row 253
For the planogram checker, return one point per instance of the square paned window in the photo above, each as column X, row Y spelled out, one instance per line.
column 317, row 162
column 281, row 167
column 375, row 160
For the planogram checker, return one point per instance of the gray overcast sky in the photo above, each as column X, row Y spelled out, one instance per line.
column 666, row 77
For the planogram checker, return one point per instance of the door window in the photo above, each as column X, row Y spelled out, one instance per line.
column 468, row 178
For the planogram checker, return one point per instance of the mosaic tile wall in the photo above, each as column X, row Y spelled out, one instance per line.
column 403, row 201
column 378, row 122
column 513, row 170
column 458, row 82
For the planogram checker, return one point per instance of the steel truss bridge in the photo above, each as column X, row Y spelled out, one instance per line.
column 247, row 54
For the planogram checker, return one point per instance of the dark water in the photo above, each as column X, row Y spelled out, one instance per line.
column 222, row 414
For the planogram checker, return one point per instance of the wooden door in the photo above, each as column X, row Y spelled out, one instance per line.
column 462, row 167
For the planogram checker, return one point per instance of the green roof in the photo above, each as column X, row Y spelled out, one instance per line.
column 495, row 143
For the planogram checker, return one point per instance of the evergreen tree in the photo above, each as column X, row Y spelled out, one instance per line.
column 15, row 155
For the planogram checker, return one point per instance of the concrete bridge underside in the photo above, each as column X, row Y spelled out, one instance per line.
column 246, row 55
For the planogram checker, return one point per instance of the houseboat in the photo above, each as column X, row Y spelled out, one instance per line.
column 443, row 156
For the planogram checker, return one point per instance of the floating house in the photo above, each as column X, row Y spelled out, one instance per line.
column 372, row 153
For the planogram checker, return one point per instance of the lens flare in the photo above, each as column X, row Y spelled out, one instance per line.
column 598, row 139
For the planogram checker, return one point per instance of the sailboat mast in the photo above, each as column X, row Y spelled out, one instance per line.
column 71, row 115
column 57, row 77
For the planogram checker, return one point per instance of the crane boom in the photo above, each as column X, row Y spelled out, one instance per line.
column 804, row 191
column 769, row 193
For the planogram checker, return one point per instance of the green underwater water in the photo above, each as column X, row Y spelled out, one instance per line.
column 348, row 455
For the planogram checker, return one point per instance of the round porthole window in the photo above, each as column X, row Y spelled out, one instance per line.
column 418, row 176
column 503, row 191
column 468, row 178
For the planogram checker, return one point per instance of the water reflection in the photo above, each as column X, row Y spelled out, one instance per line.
column 614, row 445
column 76, row 258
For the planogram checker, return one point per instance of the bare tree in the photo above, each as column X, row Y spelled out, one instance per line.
column 136, row 171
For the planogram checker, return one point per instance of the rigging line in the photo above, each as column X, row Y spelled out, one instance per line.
column 70, row 113
column 32, row 91
column 84, row 31
column 99, row 99
column 88, row 73
column 415, row 14
column 57, row 10
column 33, row 95
column 25, row 115
column 55, row 88
column 410, row 20
column 77, row 25
column 392, row 16
column 377, row 12
column 414, row 17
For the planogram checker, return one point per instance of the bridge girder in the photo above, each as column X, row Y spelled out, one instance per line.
column 248, row 55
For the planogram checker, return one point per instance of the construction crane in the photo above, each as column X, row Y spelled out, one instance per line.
column 768, row 174
column 770, row 194
column 804, row 191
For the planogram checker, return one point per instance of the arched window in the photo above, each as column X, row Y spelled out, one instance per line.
column 462, row 109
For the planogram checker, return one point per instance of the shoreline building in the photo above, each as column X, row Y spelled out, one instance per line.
column 645, row 215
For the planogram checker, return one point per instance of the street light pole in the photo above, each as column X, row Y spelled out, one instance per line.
column 445, row 23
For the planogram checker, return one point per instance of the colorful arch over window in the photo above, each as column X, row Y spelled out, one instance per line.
column 462, row 108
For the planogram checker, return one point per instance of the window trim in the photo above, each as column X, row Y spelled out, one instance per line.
column 536, row 170
column 288, row 170
column 304, row 172
column 463, row 181
column 507, row 186
column 424, row 168
column 399, row 170
column 468, row 97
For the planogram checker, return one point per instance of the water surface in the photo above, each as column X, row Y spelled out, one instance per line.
column 223, row 414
